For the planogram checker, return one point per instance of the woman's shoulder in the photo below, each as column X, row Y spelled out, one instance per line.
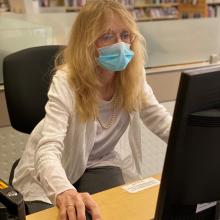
column 61, row 89
column 61, row 73
column 61, row 83
column 61, row 78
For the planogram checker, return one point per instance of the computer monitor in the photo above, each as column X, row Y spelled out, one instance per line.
column 191, row 172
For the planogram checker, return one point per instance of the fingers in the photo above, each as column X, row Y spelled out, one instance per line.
column 72, row 212
column 72, row 206
column 62, row 213
column 80, row 209
column 66, row 203
column 91, row 206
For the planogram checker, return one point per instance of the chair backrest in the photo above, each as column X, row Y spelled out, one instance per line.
column 27, row 75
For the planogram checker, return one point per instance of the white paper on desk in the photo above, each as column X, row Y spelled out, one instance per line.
column 141, row 185
column 203, row 206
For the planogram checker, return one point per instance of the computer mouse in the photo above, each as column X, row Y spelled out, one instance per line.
column 88, row 216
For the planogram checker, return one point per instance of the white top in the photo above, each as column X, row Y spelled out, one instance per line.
column 58, row 149
column 103, row 152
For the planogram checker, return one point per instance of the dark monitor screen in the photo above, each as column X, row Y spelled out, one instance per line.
column 191, row 172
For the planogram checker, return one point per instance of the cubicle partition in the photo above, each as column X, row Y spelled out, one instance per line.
column 19, row 34
column 171, row 42
column 179, row 42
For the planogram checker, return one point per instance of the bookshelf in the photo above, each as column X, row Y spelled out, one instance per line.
column 153, row 10
column 193, row 9
column 143, row 10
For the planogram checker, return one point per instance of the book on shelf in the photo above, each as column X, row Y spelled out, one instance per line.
column 44, row 3
column 138, row 13
column 127, row 2
column 169, row 1
column 74, row 3
column 163, row 12
column 211, row 11
column 154, row 2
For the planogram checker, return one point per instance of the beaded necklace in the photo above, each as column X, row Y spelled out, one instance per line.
column 109, row 123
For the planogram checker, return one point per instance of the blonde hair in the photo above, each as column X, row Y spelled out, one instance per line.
column 80, row 58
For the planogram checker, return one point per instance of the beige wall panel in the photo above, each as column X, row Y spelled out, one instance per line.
column 4, row 118
column 164, row 85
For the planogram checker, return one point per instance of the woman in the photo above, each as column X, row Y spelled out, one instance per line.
column 98, row 98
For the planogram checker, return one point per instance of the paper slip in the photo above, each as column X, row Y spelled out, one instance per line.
column 141, row 185
column 203, row 206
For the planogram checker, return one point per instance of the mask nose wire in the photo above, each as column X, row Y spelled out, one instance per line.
column 118, row 38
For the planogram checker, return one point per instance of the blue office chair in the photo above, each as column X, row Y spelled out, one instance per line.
column 27, row 75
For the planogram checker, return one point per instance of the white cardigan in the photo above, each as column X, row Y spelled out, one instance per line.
column 57, row 151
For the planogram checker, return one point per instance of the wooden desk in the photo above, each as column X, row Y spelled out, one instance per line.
column 116, row 204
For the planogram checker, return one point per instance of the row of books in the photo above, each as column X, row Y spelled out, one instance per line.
column 133, row 3
column 186, row 15
column 169, row 1
column 128, row 3
column 162, row 12
column 154, row 2
column 138, row 13
column 71, row 3
column 155, row 12
column 192, row 2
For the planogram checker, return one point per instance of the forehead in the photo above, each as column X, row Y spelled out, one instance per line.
column 115, row 23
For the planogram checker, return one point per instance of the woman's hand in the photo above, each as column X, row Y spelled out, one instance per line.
column 72, row 206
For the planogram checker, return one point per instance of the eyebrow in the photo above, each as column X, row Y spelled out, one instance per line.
column 111, row 31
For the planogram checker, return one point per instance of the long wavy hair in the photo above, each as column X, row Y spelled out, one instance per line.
column 80, row 59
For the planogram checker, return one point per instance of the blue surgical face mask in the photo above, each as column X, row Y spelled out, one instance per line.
column 115, row 57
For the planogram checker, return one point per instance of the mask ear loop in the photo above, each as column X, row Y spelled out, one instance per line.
column 132, row 40
column 133, row 37
column 97, row 53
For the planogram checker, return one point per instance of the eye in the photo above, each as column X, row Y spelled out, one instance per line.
column 125, row 35
column 107, row 37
